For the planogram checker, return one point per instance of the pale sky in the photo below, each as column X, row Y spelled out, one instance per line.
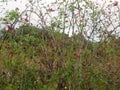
column 21, row 4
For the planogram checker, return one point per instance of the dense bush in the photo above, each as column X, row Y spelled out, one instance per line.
column 36, row 59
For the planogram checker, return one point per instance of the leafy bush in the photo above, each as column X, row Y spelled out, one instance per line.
column 32, row 59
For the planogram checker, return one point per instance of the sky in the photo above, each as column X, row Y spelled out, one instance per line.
column 21, row 4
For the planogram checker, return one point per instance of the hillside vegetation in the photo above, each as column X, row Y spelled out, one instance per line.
column 36, row 59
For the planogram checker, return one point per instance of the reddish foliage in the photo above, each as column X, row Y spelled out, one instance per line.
column 75, row 55
column 50, row 10
column 26, row 19
column 115, row 3
column 10, row 28
column 11, row 53
column 44, row 54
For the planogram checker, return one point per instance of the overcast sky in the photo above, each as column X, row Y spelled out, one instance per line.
column 21, row 4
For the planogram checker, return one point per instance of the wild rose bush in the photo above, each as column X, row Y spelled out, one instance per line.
column 46, row 56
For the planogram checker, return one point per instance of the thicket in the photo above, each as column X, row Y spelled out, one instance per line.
column 45, row 57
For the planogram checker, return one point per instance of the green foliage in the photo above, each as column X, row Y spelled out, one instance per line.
column 11, row 15
column 32, row 58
